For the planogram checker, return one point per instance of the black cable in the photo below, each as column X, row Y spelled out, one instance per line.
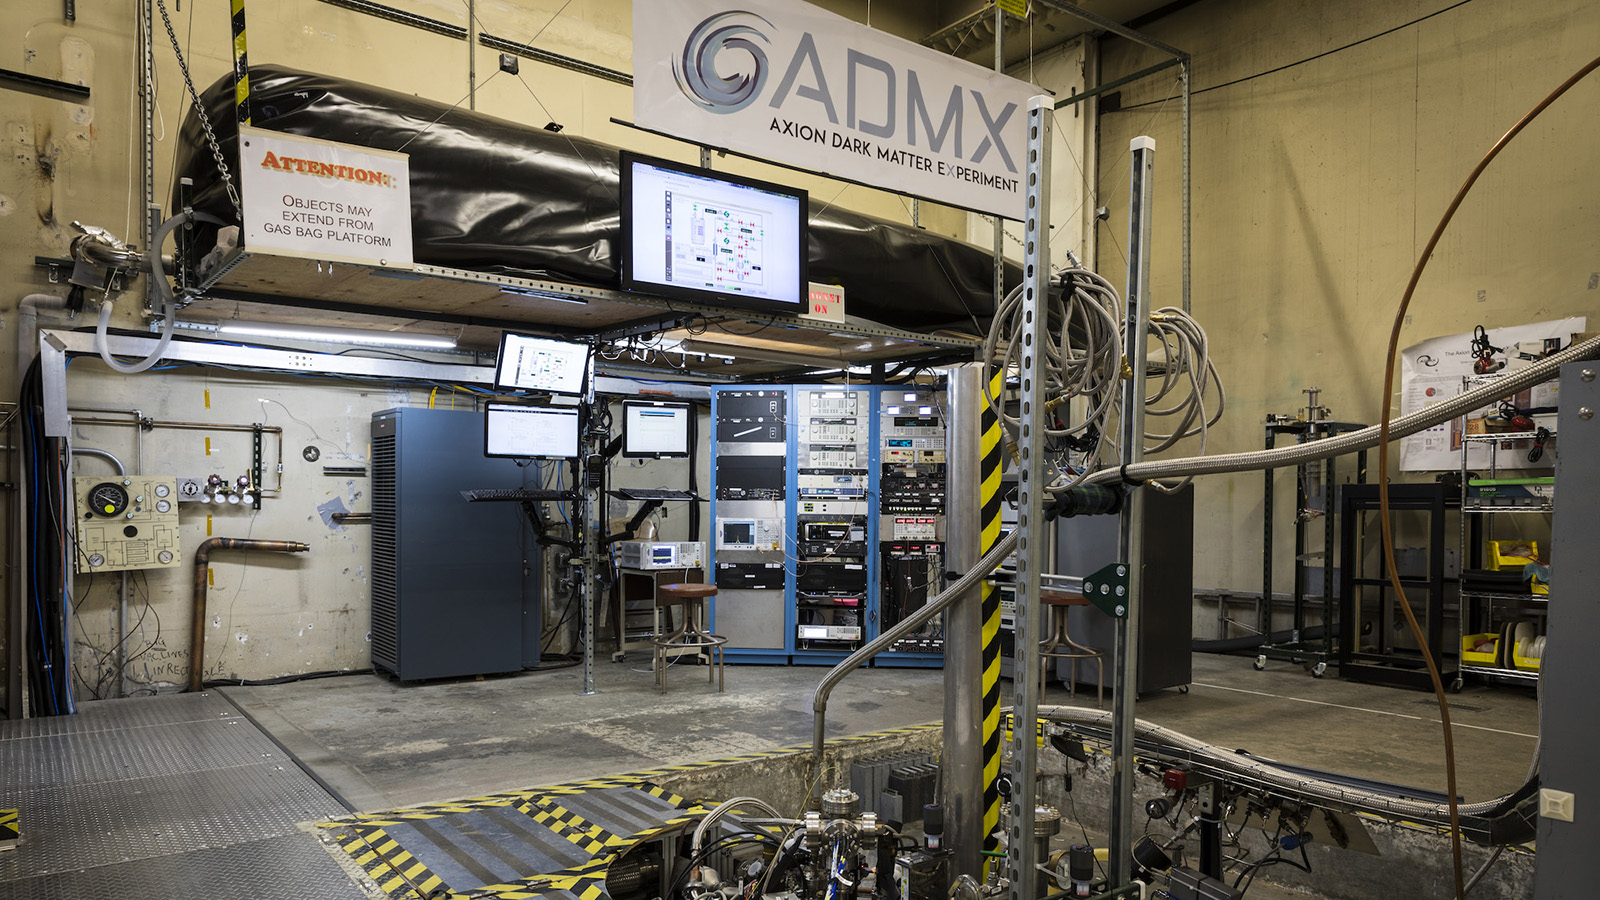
column 284, row 679
column 727, row 840
column 1274, row 71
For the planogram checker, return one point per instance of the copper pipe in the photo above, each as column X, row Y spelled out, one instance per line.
column 202, row 562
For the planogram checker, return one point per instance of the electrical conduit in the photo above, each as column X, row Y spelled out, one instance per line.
column 167, row 308
column 202, row 562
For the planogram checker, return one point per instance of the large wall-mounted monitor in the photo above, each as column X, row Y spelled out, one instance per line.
column 529, row 363
column 652, row 430
column 695, row 234
column 530, row 432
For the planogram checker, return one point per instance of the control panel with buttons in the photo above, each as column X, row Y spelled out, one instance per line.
column 126, row 522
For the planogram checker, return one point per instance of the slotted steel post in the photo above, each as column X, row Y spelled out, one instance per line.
column 1031, row 533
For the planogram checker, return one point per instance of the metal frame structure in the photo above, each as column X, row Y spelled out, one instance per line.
column 1563, row 867
column 1299, row 648
column 1020, row 859
column 55, row 346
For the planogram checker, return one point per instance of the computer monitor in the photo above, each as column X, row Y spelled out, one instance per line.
column 530, row 432
column 695, row 234
column 529, row 363
column 652, row 430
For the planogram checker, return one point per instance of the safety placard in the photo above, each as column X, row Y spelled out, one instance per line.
column 324, row 200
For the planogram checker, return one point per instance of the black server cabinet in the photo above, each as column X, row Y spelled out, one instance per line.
column 1166, row 624
column 454, row 584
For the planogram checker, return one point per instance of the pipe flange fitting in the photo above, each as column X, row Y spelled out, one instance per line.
column 840, row 803
column 1046, row 821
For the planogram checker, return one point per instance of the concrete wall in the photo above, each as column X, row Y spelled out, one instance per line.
column 65, row 162
column 1315, row 188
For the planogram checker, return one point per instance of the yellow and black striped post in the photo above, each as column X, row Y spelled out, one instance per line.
column 990, row 446
column 241, row 65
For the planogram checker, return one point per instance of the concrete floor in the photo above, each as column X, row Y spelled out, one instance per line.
column 382, row 744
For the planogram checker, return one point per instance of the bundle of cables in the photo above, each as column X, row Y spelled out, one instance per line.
column 47, row 551
column 1081, row 349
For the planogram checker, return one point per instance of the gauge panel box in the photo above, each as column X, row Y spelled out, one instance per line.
column 126, row 522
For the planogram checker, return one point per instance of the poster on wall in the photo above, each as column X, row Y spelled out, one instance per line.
column 794, row 84
column 1441, row 368
column 323, row 200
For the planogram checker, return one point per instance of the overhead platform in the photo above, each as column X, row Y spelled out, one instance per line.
column 474, row 307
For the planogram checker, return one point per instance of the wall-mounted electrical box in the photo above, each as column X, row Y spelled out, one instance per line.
column 126, row 522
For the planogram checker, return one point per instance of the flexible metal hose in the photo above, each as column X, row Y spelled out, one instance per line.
column 935, row 605
column 1351, row 441
column 1231, row 760
column 166, row 307
column 722, row 809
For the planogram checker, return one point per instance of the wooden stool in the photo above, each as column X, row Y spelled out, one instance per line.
column 1059, row 604
column 689, row 635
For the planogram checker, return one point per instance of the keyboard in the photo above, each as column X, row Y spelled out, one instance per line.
column 652, row 494
column 516, row 494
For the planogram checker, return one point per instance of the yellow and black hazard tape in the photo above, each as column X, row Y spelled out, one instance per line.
column 241, row 65
column 10, row 828
column 990, row 501
column 389, row 865
column 400, row 874
column 569, row 825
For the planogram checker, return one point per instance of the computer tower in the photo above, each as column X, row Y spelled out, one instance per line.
column 455, row 587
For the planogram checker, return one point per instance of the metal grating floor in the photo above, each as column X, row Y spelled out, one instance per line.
column 178, row 795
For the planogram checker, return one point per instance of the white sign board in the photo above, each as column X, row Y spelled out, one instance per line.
column 787, row 82
column 1436, row 370
column 825, row 303
column 321, row 200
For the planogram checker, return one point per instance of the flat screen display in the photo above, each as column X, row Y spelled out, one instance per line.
column 701, row 235
column 529, row 363
column 655, row 430
column 530, row 432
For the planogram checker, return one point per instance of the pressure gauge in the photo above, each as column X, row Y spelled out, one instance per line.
column 163, row 506
column 164, row 557
column 96, row 560
column 162, row 491
column 108, row 499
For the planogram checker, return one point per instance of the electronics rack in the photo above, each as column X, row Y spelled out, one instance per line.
column 832, row 583
column 749, row 518
column 810, row 562
column 911, row 513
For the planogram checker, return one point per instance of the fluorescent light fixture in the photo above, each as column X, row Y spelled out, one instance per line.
column 674, row 345
column 337, row 335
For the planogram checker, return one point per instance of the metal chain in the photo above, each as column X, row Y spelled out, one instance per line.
column 200, row 109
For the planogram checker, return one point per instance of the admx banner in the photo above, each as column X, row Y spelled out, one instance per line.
column 788, row 82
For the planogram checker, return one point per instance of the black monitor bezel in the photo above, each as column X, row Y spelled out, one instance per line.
column 500, row 361
column 688, row 431
column 492, row 405
column 714, row 298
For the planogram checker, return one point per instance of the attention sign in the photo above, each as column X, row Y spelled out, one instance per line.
column 323, row 200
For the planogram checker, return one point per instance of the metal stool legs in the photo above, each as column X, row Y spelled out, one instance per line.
column 1077, row 651
column 690, row 636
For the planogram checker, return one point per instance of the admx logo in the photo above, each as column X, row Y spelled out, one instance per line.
column 696, row 69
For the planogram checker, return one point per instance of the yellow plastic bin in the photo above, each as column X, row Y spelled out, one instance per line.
column 1472, row 655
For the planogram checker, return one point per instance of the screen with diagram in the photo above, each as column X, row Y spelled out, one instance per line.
column 706, row 235
column 529, row 363
column 530, row 432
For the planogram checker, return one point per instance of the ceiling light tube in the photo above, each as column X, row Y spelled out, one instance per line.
column 338, row 335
